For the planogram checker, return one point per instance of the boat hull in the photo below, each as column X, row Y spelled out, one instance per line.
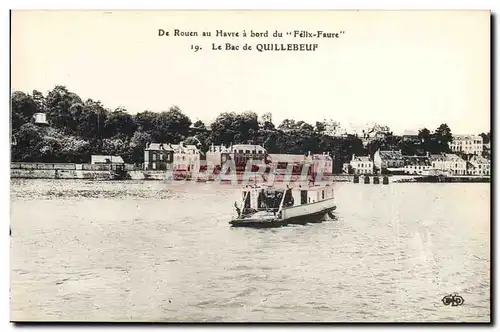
column 299, row 211
column 300, row 215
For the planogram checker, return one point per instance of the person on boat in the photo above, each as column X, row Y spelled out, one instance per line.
column 288, row 198
column 269, row 200
column 262, row 199
column 238, row 210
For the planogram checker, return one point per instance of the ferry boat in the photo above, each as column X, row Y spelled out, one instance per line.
column 268, row 206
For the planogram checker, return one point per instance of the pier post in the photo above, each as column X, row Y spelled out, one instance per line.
column 385, row 180
column 367, row 179
column 356, row 179
column 376, row 180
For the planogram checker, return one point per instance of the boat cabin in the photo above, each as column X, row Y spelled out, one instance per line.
column 260, row 198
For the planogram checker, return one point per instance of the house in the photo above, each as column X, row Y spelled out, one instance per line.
column 214, row 155
column 293, row 162
column 361, row 165
column 40, row 119
column 417, row 165
column 158, row 156
column 411, row 136
column 242, row 153
column 373, row 132
column 186, row 157
column 100, row 159
column 334, row 129
column 218, row 148
column 388, row 159
column 114, row 162
column 448, row 163
column 322, row 162
column 468, row 144
column 478, row 165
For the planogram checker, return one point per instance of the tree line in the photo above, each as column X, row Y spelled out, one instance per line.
column 79, row 128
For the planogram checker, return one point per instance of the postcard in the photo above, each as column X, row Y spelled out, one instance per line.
column 250, row 166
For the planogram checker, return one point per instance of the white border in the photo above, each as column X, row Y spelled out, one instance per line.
column 186, row 4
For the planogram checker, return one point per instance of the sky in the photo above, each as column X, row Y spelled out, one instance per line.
column 407, row 70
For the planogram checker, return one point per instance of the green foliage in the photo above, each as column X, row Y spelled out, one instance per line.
column 199, row 124
column 23, row 108
column 79, row 129
column 486, row 137
column 28, row 143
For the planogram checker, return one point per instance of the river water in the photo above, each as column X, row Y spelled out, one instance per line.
column 154, row 251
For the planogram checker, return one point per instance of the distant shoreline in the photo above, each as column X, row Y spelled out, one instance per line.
column 239, row 177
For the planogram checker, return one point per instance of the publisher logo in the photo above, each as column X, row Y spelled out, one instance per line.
column 453, row 300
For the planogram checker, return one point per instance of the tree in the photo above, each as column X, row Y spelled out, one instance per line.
column 287, row 124
column 91, row 120
column 146, row 121
column 23, row 107
column 486, row 137
column 247, row 125
column 224, row 129
column 199, row 124
column 320, row 126
column 442, row 138
column 172, row 126
column 74, row 150
column 114, row 147
column 119, row 123
column 305, row 126
column 268, row 126
column 58, row 103
column 424, row 134
column 266, row 117
column 27, row 143
column 39, row 100
column 138, row 143
column 373, row 146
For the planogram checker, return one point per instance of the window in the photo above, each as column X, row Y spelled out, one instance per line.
column 154, row 165
column 154, row 156
column 322, row 194
column 161, row 156
column 303, row 196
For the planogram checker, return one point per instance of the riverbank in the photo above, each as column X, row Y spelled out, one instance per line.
column 448, row 179
column 107, row 173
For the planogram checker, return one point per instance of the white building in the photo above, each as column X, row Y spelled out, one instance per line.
column 469, row 144
column 361, row 165
column 449, row 164
column 478, row 165
column 371, row 132
column 334, row 129
column 186, row 157
column 417, row 165
column 388, row 159
column 40, row 119
column 218, row 148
